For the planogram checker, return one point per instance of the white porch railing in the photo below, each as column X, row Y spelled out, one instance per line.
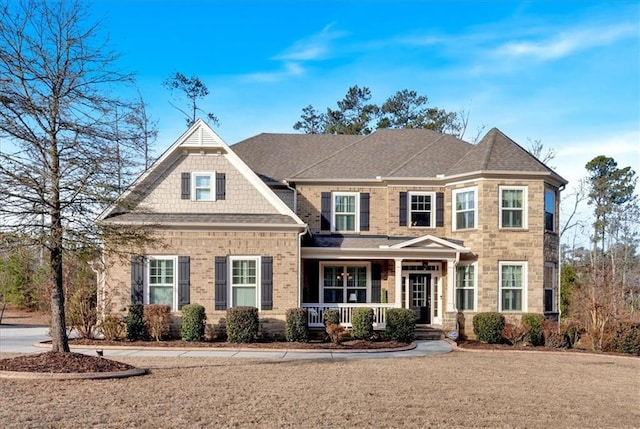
column 314, row 312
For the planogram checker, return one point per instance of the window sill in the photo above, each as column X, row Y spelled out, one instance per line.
column 513, row 229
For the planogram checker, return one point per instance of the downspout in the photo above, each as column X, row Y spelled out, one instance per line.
column 559, row 273
column 299, row 264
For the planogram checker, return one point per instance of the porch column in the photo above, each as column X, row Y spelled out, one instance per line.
column 398, row 274
column 451, row 286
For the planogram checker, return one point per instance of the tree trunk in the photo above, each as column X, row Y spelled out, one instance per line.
column 59, row 339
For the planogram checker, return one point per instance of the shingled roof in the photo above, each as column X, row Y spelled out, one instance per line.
column 387, row 153
column 497, row 152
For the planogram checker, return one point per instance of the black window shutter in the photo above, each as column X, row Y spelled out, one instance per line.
column 376, row 282
column 221, row 186
column 325, row 211
column 184, row 280
column 186, row 186
column 439, row 208
column 221, row 282
column 137, row 279
column 266, row 292
column 364, row 211
column 403, row 209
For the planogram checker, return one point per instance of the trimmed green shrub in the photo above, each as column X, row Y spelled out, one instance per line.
column 157, row 320
column 625, row 338
column 488, row 327
column 362, row 323
column 242, row 324
column 136, row 330
column 112, row 327
column 331, row 315
column 532, row 324
column 296, row 329
column 193, row 323
column 401, row 324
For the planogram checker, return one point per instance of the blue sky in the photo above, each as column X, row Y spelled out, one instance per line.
column 566, row 72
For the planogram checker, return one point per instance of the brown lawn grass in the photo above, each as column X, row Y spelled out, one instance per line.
column 459, row 389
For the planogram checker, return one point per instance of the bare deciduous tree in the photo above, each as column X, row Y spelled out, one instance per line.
column 59, row 118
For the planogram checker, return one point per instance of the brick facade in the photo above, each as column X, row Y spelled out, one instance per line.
column 203, row 247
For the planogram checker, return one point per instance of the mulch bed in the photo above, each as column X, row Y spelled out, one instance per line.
column 59, row 362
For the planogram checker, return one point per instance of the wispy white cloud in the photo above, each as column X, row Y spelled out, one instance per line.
column 315, row 47
column 565, row 43
column 289, row 69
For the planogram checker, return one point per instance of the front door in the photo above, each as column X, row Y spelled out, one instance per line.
column 420, row 287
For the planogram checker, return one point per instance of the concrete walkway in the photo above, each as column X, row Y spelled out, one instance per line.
column 21, row 339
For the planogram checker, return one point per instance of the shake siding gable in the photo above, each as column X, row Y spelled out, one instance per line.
column 234, row 192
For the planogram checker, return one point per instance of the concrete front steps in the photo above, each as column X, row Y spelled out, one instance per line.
column 425, row 332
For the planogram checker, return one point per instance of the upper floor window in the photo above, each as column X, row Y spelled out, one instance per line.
column 345, row 212
column 513, row 207
column 421, row 209
column 203, row 186
column 512, row 286
column 465, row 208
column 549, row 209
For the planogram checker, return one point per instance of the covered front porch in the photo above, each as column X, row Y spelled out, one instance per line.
column 348, row 272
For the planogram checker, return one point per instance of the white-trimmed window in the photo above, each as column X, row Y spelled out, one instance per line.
column 161, row 281
column 550, row 293
column 345, row 283
column 422, row 209
column 203, row 186
column 513, row 207
column 549, row 209
column 466, row 281
column 513, row 286
column 245, row 278
column 465, row 210
column 346, row 212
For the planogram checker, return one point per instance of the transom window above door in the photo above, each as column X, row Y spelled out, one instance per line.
column 421, row 209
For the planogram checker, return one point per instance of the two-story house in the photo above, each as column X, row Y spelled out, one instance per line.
column 398, row 218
